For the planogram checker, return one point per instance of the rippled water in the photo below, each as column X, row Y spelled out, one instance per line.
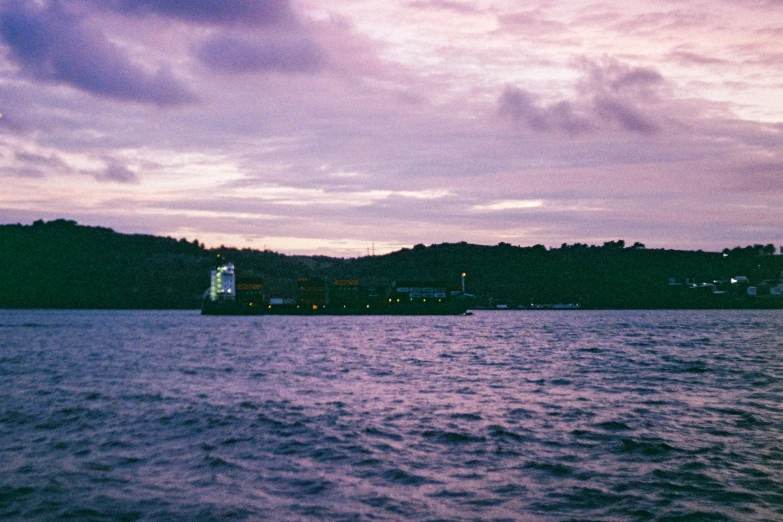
column 498, row 416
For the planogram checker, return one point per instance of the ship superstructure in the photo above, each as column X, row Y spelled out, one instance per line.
column 223, row 284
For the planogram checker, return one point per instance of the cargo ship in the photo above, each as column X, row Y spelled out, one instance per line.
column 230, row 295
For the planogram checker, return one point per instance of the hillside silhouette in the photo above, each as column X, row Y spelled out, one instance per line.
column 60, row 264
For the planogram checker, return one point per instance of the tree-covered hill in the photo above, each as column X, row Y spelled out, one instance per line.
column 61, row 264
column 607, row 276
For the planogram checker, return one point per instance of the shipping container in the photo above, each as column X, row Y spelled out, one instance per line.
column 312, row 292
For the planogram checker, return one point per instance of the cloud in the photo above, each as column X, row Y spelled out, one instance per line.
column 117, row 173
column 50, row 161
column 636, row 78
column 533, row 22
column 523, row 107
column 758, row 176
column 45, row 164
column 628, row 117
column 242, row 12
column 660, row 23
column 36, row 165
column 688, row 58
column 237, row 54
column 381, row 121
column 611, row 77
column 53, row 45
column 445, row 5
column 609, row 96
column 513, row 204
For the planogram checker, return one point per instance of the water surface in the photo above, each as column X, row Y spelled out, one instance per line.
column 664, row 415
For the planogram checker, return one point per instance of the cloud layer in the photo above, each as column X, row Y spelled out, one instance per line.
column 234, row 54
column 242, row 12
column 54, row 45
column 298, row 124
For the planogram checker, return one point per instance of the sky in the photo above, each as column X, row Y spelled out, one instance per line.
column 347, row 127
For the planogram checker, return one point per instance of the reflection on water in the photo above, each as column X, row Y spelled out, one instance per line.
column 501, row 415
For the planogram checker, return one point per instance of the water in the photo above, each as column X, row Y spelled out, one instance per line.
column 499, row 416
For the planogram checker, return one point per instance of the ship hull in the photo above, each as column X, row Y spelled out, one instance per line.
column 456, row 307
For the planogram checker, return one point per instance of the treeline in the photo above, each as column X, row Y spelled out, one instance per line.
column 607, row 276
column 60, row 264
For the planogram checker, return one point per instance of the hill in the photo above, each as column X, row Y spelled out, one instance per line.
column 60, row 264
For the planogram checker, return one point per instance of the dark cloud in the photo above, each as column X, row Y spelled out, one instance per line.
column 523, row 107
column 620, row 93
column 117, row 173
column 53, row 45
column 286, row 55
column 610, row 96
column 244, row 12
column 51, row 162
column 611, row 77
column 628, row 117
column 35, row 165
column 639, row 77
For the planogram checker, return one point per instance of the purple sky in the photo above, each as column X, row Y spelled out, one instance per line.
column 327, row 126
